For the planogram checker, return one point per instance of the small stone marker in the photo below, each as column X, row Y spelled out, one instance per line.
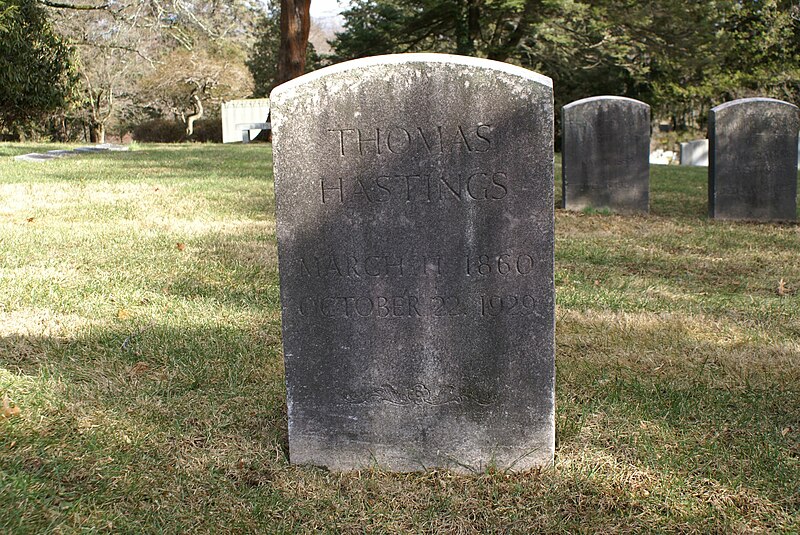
column 695, row 153
column 414, row 202
column 113, row 147
column 605, row 154
column 55, row 154
column 662, row 157
column 61, row 153
column 752, row 173
column 34, row 157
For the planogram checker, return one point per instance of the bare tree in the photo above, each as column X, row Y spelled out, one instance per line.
column 130, row 51
column 184, row 83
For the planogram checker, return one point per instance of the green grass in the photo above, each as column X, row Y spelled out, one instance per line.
column 140, row 339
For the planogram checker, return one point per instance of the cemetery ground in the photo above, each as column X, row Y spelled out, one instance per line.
column 142, row 376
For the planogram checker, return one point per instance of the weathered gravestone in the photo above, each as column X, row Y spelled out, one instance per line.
column 414, row 202
column 605, row 154
column 695, row 153
column 752, row 171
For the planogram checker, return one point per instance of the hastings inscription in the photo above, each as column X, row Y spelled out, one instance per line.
column 414, row 203
column 477, row 184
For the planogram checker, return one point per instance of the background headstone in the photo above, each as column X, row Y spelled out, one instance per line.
column 605, row 154
column 752, row 173
column 662, row 157
column 238, row 112
column 695, row 153
column 414, row 203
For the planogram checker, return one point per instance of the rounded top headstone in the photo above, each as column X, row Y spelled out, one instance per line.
column 606, row 98
column 751, row 100
column 753, row 160
column 403, row 179
column 398, row 59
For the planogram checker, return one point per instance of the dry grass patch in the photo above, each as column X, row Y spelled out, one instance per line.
column 725, row 353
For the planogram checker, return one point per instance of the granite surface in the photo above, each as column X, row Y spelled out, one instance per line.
column 605, row 154
column 752, row 168
column 414, row 203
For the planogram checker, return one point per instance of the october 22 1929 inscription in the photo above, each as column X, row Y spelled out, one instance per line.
column 414, row 203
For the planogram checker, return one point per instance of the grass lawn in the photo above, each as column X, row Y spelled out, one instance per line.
column 140, row 343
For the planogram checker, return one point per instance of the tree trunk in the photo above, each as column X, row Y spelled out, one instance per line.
column 295, row 25
column 97, row 132
column 468, row 27
column 198, row 112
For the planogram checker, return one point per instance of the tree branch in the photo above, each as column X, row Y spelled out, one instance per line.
column 531, row 12
column 117, row 47
column 198, row 113
column 82, row 7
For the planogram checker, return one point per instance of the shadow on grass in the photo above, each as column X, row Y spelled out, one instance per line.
column 683, row 399
column 131, row 420
column 143, row 421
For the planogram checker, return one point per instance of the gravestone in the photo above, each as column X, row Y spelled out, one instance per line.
column 752, row 172
column 414, row 204
column 605, row 154
column 695, row 153
column 662, row 157
column 237, row 113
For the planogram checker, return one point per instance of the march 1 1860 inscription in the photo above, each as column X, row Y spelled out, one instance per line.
column 414, row 203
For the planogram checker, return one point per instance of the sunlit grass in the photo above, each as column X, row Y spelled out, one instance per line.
column 140, row 339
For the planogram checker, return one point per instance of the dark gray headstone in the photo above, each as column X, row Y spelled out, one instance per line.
column 752, row 171
column 414, row 202
column 605, row 154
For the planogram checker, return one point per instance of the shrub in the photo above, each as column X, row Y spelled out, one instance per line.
column 159, row 131
column 207, row 130
column 171, row 131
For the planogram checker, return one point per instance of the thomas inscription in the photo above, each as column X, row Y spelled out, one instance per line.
column 475, row 185
column 387, row 140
